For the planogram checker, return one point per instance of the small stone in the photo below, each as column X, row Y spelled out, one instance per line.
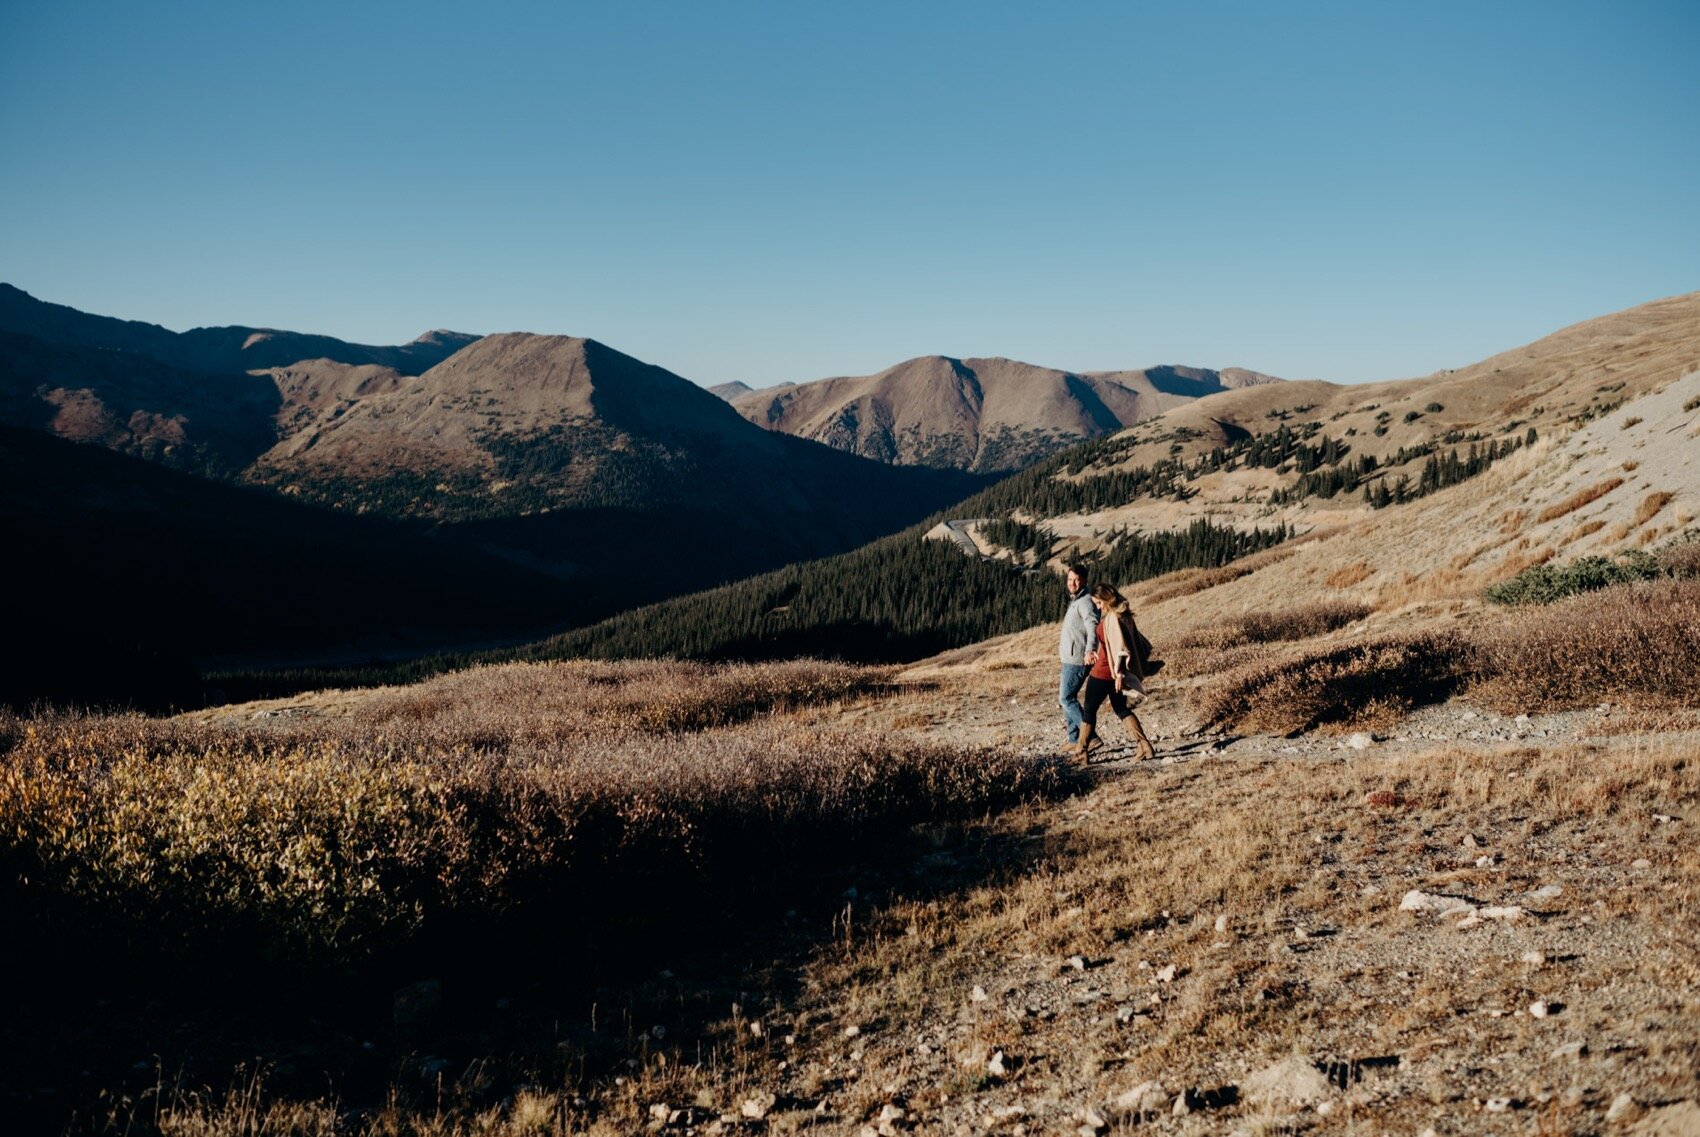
column 1497, row 1105
column 1361, row 741
column 1485, row 861
column 1539, row 1009
column 1521, row 719
column 1167, row 975
column 978, row 995
column 757, row 1106
column 1623, row 1107
column 1181, row 1107
column 1293, row 1081
column 1470, row 841
column 1570, row 1050
column 1093, row 1119
column 660, row 1111
column 1221, row 924
column 1547, row 892
column 891, row 1112
column 1147, row 1097
column 1534, row 956
column 1641, row 863
column 757, row 1030
column 1077, row 962
column 1507, row 912
column 995, row 1065
column 852, row 1031
column 1324, row 1108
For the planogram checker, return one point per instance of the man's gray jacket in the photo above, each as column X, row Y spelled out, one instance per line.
column 1079, row 630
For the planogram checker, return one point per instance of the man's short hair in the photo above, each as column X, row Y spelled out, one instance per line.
column 1077, row 569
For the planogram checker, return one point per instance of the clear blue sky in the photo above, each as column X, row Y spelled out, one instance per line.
column 782, row 191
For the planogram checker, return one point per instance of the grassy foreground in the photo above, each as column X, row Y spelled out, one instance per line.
column 557, row 824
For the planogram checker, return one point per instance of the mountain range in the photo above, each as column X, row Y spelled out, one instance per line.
column 984, row 415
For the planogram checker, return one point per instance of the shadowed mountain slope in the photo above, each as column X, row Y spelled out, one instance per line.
column 985, row 415
column 129, row 575
column 213, row 349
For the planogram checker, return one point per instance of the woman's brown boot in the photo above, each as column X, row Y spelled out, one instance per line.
column 1146, row 750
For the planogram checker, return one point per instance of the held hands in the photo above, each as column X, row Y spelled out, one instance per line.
column 1092, row 658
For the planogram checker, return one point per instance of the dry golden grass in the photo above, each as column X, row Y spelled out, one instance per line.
column 1586, row 529
column 1578, row 499
column 1352, row 574
column 1511, row 522
column 1650, row 506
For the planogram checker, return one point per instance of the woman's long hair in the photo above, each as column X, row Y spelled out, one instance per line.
column 1113, row 600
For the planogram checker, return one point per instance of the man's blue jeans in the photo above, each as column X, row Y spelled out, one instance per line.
column 1068, row 697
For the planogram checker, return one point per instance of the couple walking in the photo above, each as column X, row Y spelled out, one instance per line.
column 1102, row 649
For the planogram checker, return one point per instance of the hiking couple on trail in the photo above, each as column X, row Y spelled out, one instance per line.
column 1102, row 652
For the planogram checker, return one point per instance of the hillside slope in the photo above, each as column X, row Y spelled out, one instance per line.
column 130, row 577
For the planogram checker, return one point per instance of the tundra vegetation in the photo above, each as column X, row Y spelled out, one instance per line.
column 742, row 893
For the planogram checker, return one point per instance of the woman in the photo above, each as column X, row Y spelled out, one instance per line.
column 1118, row 667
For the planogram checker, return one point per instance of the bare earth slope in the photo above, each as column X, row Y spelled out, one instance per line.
column 976, row 414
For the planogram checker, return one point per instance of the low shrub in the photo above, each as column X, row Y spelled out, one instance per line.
column 1632, row 643
column 1302, row 622
column 1356, row 686
column 1547, row 583
column 460, row 820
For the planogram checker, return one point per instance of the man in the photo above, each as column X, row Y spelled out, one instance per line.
column 1075, row 647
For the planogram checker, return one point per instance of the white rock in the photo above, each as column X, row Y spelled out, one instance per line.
column 1360, row 741
column 1124, row 1015
column 1538, row 1009
column 1221, row 924
column 1094, row 1119
column 1147, row 1097
column 1290, row 1082
column 1418, row 901
column 1498, row 1105
column 1535, row 957
column 1641, row 863
column 1507, row 912
column 1485, row 861
column 1570, row 1050
column 1622, row 1108
column 891, row 1112
column 1547, row 892
column 995, row 1065
column 1324, row 1108
column 757, row 1106
column 757, row 1030
column 852, row 1031
column 1077, row 962
column 660, row 1112
column 1167, row 975
column 978, row 995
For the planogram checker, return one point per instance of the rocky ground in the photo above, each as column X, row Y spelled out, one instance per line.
column 1479, row 923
